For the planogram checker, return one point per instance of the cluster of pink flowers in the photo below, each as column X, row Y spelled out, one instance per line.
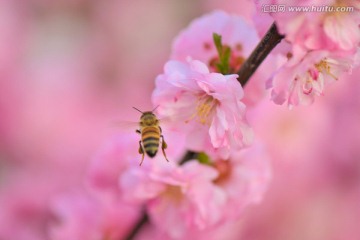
column 184, row 200
column 325, row 44
column 319, row 28
column 238, row 34
column 206, row 106
column 306, row 75
column 200, row 110
column 214, row 128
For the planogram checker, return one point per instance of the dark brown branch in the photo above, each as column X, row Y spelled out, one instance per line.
column 187, row 157
column 142, row 221
column 269, row 41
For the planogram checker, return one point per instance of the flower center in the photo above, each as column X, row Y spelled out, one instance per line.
column 324, row 67
column 312, row 76
column 204, row 109
column 235, row 61
column 224, row 168
column 308, row 85
column 173, row 193
column 107, row 235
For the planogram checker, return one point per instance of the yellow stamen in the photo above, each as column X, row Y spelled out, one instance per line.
column 204, row 108
column 324, row 67
column 174, row 193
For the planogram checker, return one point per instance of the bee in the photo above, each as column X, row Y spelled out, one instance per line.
column 151, row 133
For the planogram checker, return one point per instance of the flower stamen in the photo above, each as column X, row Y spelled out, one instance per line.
column 307, row 87
column 324, row 67
column 174, row 193
column 224, row 167
column 204, row 108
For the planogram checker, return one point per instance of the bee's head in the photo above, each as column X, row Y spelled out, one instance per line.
column 148, row 119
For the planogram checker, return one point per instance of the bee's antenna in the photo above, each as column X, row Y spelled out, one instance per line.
column 155, row 108
column 137, row 109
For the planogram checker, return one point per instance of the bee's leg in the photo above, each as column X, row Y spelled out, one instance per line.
column 138, row 131
column 163, row 147
column 141, row 151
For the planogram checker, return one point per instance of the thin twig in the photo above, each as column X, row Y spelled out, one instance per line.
column 142, row 221
column 189, row 155
column 269, row 41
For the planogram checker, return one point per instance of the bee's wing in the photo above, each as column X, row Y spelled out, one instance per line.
column 177, row 118
column 167, row 121
column 125, row 125
column 171, row 123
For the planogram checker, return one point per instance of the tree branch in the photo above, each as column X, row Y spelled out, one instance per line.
column 141, row 222
column 187, row 157
column 269, row 41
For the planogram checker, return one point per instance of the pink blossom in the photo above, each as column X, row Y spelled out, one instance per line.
column 24, row 213
column 314, row 27
column 82, row 215
column 178, row 198
column 110, row 161
column 314, row 193
column 196, row 41
column 25, row 191
column 206, row 106
column 120, row 153
column 244, row 178
column 192, row 199
column 244, row 8
column 227, row 231
column 306, row 75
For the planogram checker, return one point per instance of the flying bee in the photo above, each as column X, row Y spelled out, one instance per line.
column 151, row 133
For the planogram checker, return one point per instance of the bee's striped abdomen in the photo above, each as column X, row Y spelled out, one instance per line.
column 150, row 137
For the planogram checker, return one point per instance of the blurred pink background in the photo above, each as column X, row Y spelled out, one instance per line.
column 69, row 68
